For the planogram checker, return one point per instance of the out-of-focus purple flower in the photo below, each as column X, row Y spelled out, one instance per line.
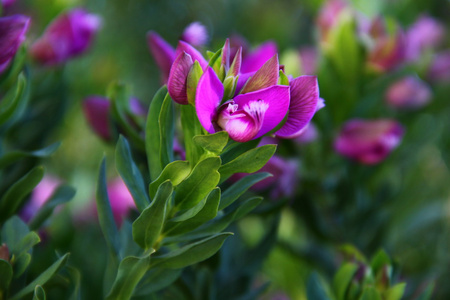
column 308, row 59
column 163, row 53
column 408, row 93
column 7, row 3
column 368, row 142
column 96, row 110
column 40, row 195
column 120, row 199
column 69, row 35
column 254, row 60
column 12, row 34
column 425, row 33
column 195, row 34
column 440, row 67
column 308, row 135
column 329, row 16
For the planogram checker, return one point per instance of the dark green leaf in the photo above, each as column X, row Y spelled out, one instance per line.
column 105, row 215
column 203, row 179
column 176, row 172
column 75, row 278
column 6, row 273
column 16, row 194
column 249, row 162
column 155, row 280
column 42, row 278
column 131, row 270
column 166, row 130
column 21, row 264
column 39, row 293
column 62, row 195
column 380, row 260
column 234, row 149
column 213, row 142
column 315, row 289
column 191, row 253
column 342, row 279
column 191, row 127
column 12, row 157
column 13, row 100
column 130, row 174
column 28, row 241
column 148, row 226
column 13, row 232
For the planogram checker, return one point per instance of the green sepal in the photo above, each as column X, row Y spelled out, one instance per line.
column 229, row 87
column 130, row 174
column 283, row 79
column 198, row 184
column 148, row 226
column 176, row 172
column 192, row 81
column 216, row 62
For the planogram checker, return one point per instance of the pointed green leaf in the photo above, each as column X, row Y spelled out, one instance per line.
column 39, row 293
column 105, row 215
column 198, row 184
column 16, row 194
column 42, row 278
column 396, row 292
column 6, row 274
column 75, row 278
column 21, row 264
column 380, row 260
column 13, row 100
column 315, row 289
column 148, row 226
column 191, row 253
column 342, row 279
column 12, row 157
column 155, row 280
column 213, row 142
column 131, row 270
column 166, row 129
column 152, row 134
column 63, row 194
column 370, row 293
column 130, row 174
column 13, row 232
column 176, row 172
column 249, row 162
column 31, row 239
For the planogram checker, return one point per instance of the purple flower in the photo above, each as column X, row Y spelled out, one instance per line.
column 69, row 35
column 440, row 67
column 195, row 34
column 408, row 93
column 425, row 33
column 368, row 142
column 329, row 17
column 308, row 59
column 96, row 110
column 12, row 34
column 6, row 3
column 120, row 199
column 309, row 134
column 163, row 53
column 254, row 60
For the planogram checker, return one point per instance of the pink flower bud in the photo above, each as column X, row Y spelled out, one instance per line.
column 96, row 110
column 368, row 142
column 408, row 93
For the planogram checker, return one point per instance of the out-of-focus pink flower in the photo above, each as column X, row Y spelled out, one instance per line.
column 69, row 35
column 368, row 142
column 40, row 195
column 408, row 93
column 440, row 67
column 6, row 3
column 425, row 33
column 195, row 34
column 308, row 58
column 309, row 134
column 12, row 34
column 120, row 199
column 96, row 111
column 329, row 16
column 162, row 52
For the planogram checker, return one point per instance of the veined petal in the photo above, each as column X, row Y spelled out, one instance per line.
column 195, row 55
column 12, row 34
column 207, row 100
column 304, row 103
column 276, row 97
column 242, row 125
column 265, row 77
column 258, row 57
column 163, row 53
column 176, row 84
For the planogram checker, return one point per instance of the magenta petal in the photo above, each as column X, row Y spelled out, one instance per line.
column 163, row 53
column 304, row 103
column 96, row 110
column 258, row 57
column 242, row 79
column 242, row 128
column 176, row 84
column 195, row 55
column 12, row 34
column 277, row 97
column 209, row 94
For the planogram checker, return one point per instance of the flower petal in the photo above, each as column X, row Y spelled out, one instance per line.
column 195, row 55
column 176, row 84
column 258, row 57
column 277, row 98
column 207, row 100
column 12, row 34
column 163, row 53
column 266, row 76
column 304, row 103
column 241, row 125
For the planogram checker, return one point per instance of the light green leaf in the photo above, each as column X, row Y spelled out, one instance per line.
column 213, row 142
column 176, row 172
column 192, row 81
column 39, row 293
column 130, row 174
column 148, row 226
column 370, row 293
column 379, row 260
column 198, row 184
column 396, row 292
column 342, row 279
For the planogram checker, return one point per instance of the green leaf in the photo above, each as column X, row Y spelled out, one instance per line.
column 352, row 253
column 130, row 174
column 198, row 184
column 213, row 142
column 191, row 127
column 315, row 289
column 191, row 253
column 13, row 100
column 248, row 162
column 75, row 278
column 131, row 270
column 155, row 280
column 16, row 194
column 63, row 194
column 379, row 260
column 166, row 129
column 427, row 293
column 13, row 232
column 395, row 293
column 241, row 186
column 14, row 156
column 21, row 264
column 234, row 149
column 28, row 241
column 342, row 279
column 152, row 134
column 39, row 293
column 176, row 172
column 208, row 212
column 6, row 274
column 105, row 215
column 42, row 278
column 147, row 227
column 370, row 293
